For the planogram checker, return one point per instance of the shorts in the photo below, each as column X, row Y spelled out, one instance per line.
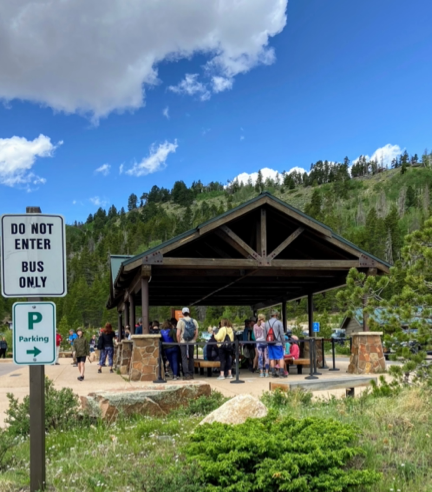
column 81, row 359
column 276, row 352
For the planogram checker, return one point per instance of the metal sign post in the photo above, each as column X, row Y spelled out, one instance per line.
column 33, row 264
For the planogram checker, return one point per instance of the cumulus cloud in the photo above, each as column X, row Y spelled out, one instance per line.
column 165, row 112
column 98, row 202
column 384, row 155
column 95, row 57
column 104, row 169
column 121, row 168
column 221, row 84
column 156, row 161
column 266, row 173
column 17, row 157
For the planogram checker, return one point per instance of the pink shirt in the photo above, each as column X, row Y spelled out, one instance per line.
column 295, row 351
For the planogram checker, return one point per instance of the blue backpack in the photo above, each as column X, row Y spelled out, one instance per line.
column 189, row 331
column 165, row 336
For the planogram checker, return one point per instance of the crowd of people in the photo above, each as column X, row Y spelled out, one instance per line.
column 263, row 346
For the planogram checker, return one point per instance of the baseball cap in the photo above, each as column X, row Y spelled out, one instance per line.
column 185, row 310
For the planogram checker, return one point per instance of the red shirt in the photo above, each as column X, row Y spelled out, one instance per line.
column 59, row 339
column 295, row 351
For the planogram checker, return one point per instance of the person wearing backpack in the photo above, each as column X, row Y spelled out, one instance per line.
column 169, row 335
column 187, row 333
column 226, row 349
column 275, row 333
column 262, row 347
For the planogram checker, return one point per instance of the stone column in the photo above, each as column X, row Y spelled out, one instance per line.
column 126, row 356
column 145, row 358
column 367, row 355
column 318, row 354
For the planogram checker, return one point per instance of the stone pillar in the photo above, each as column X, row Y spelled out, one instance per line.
column 367, row 355
column 117, row 354
column 145, row 358
column 126, row 356
column 318, row 354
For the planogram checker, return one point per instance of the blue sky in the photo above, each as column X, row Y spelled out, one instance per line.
column 337, row 78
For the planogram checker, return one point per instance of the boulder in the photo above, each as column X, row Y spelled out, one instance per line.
column 153, row 399
column 237, row 410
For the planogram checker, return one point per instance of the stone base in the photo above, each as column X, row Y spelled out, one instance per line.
column 318, row 355
column 154, row 400
column 367, row 355
column 125, row 356
column 145, row 358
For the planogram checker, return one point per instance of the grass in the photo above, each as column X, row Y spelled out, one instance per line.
column 145, row 454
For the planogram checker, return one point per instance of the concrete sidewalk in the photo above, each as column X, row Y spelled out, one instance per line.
column 15, row 379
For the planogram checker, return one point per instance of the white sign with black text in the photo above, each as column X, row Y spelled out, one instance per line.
column 33, row 255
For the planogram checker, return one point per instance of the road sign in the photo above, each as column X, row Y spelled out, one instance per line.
column 34, row 332
column 316, row 327
column 33, row 255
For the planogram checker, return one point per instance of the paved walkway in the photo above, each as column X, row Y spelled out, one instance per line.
column 15, row 379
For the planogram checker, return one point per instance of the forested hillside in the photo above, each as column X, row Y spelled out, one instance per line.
column 374, row 207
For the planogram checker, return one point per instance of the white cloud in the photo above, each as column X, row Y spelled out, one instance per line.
column 242, row 137
column 383, row 155
column 104, row 169
column 156, row 161
column 297, row 169
column 95, row 57
column 221, row 84
column 98, row 202
column 165, row 112
column 190, row 86
column 266, row 173
column 17, row 157
column 74, row 202
column 121, row 168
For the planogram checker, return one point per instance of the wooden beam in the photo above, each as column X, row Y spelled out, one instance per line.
column 285, row 243
column 233, row 243
column 326, row 265
column 144, row 271
column 263, row 233
column 240, row 242
column 299, row 217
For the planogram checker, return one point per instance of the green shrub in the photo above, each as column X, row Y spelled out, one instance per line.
column 61, row 410
column 281, row 399
column 272, row 454
column 202, row 405
column 7, row 442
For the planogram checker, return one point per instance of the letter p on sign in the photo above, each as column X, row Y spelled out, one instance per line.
column 33, row 319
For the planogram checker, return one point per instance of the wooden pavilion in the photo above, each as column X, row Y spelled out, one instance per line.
column 262, row 253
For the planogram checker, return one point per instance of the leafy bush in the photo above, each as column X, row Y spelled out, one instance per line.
column 61, row 410
column 273, row 454
column 7, row 442
column 203, row 405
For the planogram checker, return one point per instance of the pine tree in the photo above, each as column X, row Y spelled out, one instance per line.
column 259, row 184
column 132, row 202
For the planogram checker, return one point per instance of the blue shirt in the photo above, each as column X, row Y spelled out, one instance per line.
column 138, row 330
column 72, row 338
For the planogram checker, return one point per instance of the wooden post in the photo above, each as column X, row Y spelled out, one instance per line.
column 310, row 314
column 120, row 326
column 37, row 414
column 284, row 315
column 145, row 304
column 132, row 312
column 263, row 230
column 126, row 315
column 371, row 272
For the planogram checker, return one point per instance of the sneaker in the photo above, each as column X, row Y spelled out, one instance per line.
column 111, row 371
column 175, row 378
column 230, row 376
column 275, row 374
column 221, row 377
column 100, row 371
column 282, row 374
column 57, row 363
column 261, row 375
column 80, row 378
column 267, row 375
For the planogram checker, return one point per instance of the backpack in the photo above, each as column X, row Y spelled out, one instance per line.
column 270, row 335
column 165, row 336
column 227, row 344
column 189, row 330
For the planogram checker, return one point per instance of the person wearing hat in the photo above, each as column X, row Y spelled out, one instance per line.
column 187, row 333
column 275, row 333
column 82, row 349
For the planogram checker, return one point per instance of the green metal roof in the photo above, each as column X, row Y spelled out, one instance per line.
column 116, row 263
column 243, row 205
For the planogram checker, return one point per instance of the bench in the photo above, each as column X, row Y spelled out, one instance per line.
column 201, row 364
column 299, row 363
column 346, row 383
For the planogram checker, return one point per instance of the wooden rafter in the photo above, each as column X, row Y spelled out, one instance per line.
column 230, row 233
column 285, row 243
column 232, row 243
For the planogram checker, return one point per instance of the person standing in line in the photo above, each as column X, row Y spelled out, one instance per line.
column 82, row 350
column 187, row 333
column 93, row 345
column 275, row 333
column 59, row 340
column 71, row 339
column 262, row 347
column 139, row 328
column 106, row 347
column 3, row 347
column 169, row 335
column 226, row 336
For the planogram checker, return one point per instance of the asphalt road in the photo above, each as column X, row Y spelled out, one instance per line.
column 6, row 368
